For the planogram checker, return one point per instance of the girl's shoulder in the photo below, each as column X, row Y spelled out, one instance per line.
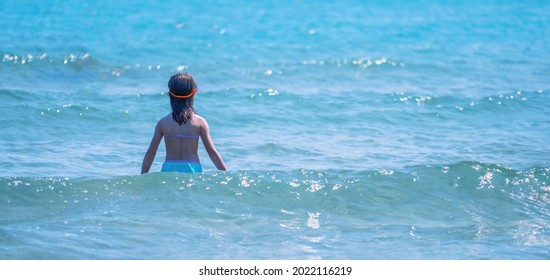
column 165, row 120
column 199, row 119
column 196, row 116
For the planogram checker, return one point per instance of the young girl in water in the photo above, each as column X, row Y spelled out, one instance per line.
column 181, row 131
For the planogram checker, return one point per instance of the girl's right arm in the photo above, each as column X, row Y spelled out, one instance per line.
column 152, row 151
column 209, row 146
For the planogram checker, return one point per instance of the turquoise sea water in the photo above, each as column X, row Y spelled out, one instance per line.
column 352, row 129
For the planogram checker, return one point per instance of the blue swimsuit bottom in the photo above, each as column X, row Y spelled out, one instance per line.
column 181, row 166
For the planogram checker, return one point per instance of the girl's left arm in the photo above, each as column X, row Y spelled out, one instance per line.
column 209, row 146
column 152, row 151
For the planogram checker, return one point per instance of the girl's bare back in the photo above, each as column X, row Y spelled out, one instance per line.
column 182, row 141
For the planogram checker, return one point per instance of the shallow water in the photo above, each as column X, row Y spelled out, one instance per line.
column 352, row 130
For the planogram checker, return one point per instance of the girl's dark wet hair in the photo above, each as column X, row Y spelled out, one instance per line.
column 182, row 108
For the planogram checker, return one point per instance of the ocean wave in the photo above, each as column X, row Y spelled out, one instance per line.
column 81, row 67
column 355, row 62
column 76, row 61
column 469, row 176
column 462, row 202
column 516, row 100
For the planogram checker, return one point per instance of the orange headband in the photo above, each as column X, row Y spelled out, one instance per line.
column 183, row 96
